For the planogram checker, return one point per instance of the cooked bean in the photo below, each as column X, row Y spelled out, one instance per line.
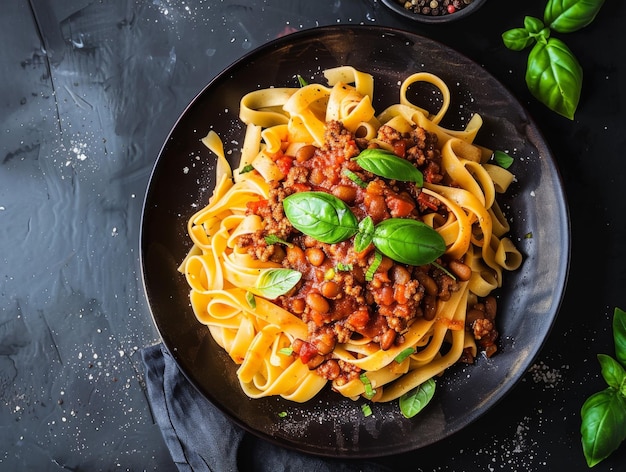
column 345, row 193
column 490, row 308
column 305, row 153
column 461, row 271
column 316, row 177
column 279, row 254
column 472, row 315
column 324, row 340
column 331, row 289
column 377, row 208
column 310, row 241
column 386, row 295
column 298, row 305
column 315, row 256
column 399, row 293
column 430, row 307
column 317, row 302
column 428, row 283
column 400, row 275
column 295, row 255
column 315, row 361
column 387, row 339
column 385, row 264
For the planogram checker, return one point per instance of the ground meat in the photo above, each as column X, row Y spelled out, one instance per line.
column 333, row 297
column 419, row 147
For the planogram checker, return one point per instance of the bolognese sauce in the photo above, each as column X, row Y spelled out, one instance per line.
column 336, row 297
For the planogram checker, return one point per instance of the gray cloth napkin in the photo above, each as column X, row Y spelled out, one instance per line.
column 201, row 438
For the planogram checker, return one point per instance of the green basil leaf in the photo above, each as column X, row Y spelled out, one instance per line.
column 533, row 25
column 566, row 16
column 612, row 371
column 502, row 159
column 619, row 335
column 554, row 76
column 386, row 164
column 273, row 283
column 411, row 403
column 517, row 39
column 603, row 425
column 365, row 235
column 408, row 241
column 321, row 216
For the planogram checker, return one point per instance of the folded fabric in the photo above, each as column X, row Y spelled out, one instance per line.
column 201, row 438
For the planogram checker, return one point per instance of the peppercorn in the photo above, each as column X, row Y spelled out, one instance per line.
column 434, row 7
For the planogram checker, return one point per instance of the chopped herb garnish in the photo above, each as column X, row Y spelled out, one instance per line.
column 273, row 239
column 355, row 178
column 301, row 81
column 251, row 300
column 329, row 274
column 287, row 351
column 366, row 409
column 369, row 390
column 528, row 235
column 378, row 258
column 282, row 414
column 341, row 267
column 443, row 269
column 404, row 354
column 246, row 169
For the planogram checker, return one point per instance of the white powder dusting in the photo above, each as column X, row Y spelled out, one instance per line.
column 549, row 377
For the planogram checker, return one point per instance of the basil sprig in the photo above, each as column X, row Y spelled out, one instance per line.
column 603, row 414
column 567, row 16
column 408, row 241
column 273, row 283
column 386, row 164
column 502, row 159
column 365, row 234
column 321, row 216
column 414, row 401
column 553, row 74
column 329, row 220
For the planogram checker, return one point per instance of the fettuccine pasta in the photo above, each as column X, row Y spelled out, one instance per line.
column 295, row 313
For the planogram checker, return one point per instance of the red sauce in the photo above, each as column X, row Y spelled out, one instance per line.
column 333, row 297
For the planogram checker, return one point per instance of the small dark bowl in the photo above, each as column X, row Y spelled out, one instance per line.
column 422, row 18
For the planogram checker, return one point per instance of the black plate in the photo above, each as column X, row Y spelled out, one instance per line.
column 182, row 180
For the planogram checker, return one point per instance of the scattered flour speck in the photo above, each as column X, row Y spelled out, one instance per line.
column 543, row 374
